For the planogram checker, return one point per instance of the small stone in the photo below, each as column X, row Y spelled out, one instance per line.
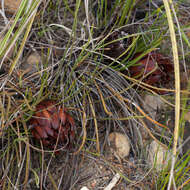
column 32, row 64
column 152, row 104
column 11, row 6
column 187, row 116
column 119, row 144
column 184, row 79
column 158, row 157
column 84, row 188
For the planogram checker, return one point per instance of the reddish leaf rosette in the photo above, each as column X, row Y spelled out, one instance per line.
column 154, row 68
column 52, row 125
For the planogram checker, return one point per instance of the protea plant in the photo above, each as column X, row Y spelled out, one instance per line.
column 52, row 124
column 154, row 67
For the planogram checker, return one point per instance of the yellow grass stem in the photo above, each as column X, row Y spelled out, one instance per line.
column 52, row 181
column 22, row 44
column 102, row 99
column 185, row 183
column 147, row 129
column 96, row 125
column 168, row 6
column 84, row 127
column 139, row 109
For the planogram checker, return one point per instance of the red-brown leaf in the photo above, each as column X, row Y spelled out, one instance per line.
column 55, row 121
column 40, row 119
column 36, row 135
column 47, row 115
column 45, row 142
column 49, row 105
column 48, row 130
column 41, row 132
column 62, row 116
column 70, row 119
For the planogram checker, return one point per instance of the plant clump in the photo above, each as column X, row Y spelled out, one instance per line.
column 52, row 124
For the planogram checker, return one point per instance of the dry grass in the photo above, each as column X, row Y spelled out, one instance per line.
column 71, row 38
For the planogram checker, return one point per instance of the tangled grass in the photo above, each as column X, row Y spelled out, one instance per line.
column 83, row 69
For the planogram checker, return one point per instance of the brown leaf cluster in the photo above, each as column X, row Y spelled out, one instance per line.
column 154, row 67
column 52, row 124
